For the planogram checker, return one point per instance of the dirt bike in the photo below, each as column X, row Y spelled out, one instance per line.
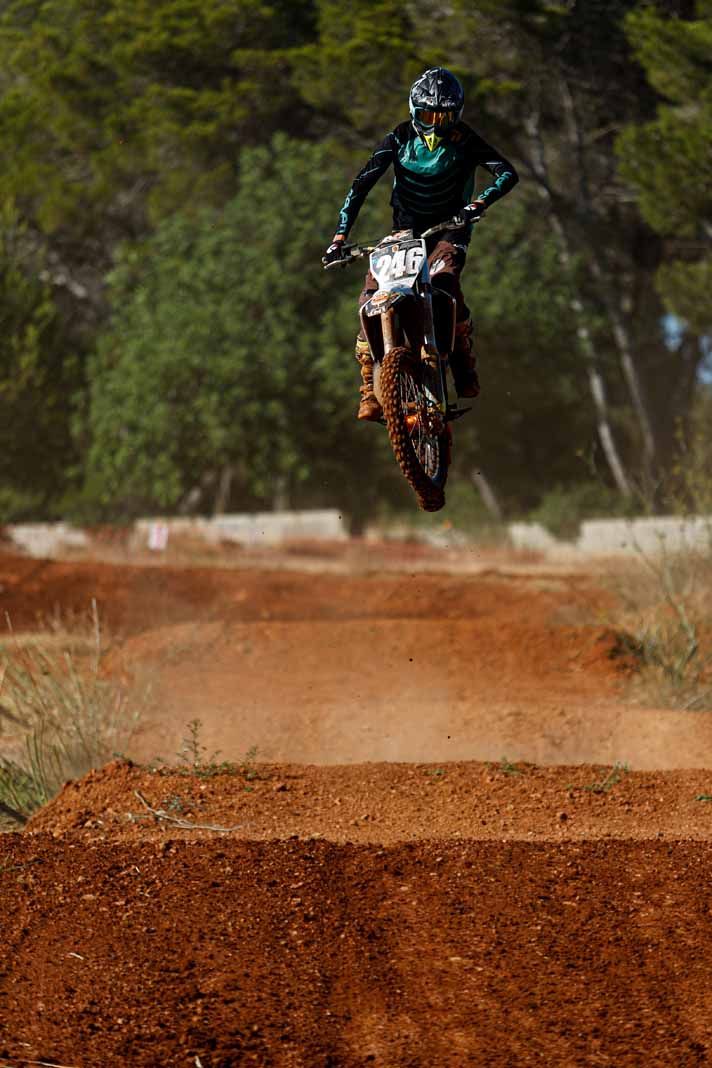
column 410, row 326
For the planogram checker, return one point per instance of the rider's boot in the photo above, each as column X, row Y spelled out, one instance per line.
column 369, row 407
column 463, row 362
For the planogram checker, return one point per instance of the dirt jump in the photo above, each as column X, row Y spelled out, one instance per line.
column 422, row 822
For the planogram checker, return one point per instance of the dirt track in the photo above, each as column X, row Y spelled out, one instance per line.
column 417, row 913
column 393, row 659
column 311, row 953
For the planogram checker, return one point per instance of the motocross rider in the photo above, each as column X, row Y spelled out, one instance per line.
column 434, row 158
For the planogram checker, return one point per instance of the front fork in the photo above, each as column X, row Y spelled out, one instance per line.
column 435, row 374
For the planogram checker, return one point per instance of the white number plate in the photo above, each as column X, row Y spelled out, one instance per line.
column 399, row 262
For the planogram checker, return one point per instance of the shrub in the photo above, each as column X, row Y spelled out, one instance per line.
column 563, row 508
column 59, row 717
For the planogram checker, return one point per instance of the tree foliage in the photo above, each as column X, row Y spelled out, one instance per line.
column 112, row 107
column 178, row 170
column 38, row 382
column 228, row 353
column 668, row 160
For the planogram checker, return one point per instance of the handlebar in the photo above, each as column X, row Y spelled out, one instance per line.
column 356, row 252
column 456, row 223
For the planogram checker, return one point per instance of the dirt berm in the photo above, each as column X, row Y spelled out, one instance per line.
column 373, row 915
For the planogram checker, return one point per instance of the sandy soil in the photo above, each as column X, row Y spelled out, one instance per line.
column 381, row 658
column 318, row 907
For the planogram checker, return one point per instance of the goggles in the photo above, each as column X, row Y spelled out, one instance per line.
column 427, row 117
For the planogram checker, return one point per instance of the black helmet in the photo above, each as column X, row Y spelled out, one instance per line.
column 436, row 102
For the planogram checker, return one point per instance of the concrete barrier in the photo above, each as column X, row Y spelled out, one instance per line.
column 46, row 539
column 648, row 535
column 598, row 537
column 252, row 530
column 533, row 536
column 606, row 537
column 273, row 528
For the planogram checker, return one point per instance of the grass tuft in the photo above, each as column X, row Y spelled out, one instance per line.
column 59, row 717
column 667, row 615
column 608, row 781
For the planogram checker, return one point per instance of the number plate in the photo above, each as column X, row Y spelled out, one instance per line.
column 399, row 263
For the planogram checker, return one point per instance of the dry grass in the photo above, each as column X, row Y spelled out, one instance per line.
column 59, row 716
column 666, row 614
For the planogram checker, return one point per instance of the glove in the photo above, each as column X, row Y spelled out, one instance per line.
column 334, row 254
column 472, row 212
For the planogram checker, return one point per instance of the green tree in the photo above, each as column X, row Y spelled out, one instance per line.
column 225, row 378
column 668, row 160
column 568, row 84
column 357, row 71
column 533, row 427
column 117, row 114
column 39, row 380
column 106, row 105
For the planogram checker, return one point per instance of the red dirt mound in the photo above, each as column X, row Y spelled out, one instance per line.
column 383, row 803
column 223, row 953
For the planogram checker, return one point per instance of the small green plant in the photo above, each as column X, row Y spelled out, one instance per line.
column 435, row 773
column 192, row 752
column 193, row 756
column 507, row 768
column 194, row 760
column 247, row 763
column 704, row 797
column 607, row 782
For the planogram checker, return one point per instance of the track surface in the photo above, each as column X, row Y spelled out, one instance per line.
column 386, row 659
column 311, row 953
column 400, row 914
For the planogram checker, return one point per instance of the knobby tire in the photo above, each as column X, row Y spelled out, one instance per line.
column 430, row 494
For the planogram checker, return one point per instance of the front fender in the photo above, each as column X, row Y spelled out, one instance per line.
column 384, row 299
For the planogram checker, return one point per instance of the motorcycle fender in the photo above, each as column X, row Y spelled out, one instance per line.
column 384, row 299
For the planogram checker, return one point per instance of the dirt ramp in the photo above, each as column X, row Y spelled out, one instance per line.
column 354, row 690
column 403, row 689
column 384, row 804
column 311, row 953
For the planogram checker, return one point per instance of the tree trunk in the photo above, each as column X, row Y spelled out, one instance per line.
column 538, row 167
column 486, row 492
column 619, row 329
column 280, row 496
column 222, row 497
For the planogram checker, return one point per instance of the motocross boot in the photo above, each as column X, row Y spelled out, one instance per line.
column 463, row 363
column 369, row 407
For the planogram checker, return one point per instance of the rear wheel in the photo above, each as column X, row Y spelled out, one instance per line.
column 418, row 433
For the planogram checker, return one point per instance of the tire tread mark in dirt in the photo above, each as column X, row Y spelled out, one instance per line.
column 452, row 954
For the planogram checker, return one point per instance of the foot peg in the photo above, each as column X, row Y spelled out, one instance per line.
column 453, row 412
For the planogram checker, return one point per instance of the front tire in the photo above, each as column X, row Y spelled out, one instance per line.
column 419, row 438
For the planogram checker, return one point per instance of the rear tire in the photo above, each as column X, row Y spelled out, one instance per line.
column 422, row 451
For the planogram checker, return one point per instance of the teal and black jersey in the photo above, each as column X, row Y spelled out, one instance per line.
column 429, row 187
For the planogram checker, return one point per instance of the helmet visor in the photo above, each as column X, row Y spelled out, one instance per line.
column 428, row 117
